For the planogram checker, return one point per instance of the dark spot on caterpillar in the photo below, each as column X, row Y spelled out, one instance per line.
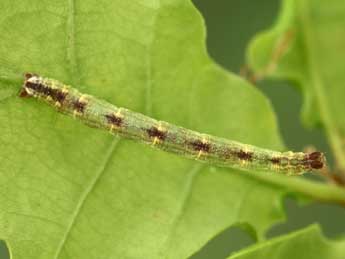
column 60, row 96
column 55, row 94
column 154, row 132
column 79, row 106
column 316, row 164
column 241, row 154
column 39, row 88
column 244, row 155
column 275, row 160
column 314, row 155
column 34, row 86
column 113, row 119
column 47, row 91
column 199, row 145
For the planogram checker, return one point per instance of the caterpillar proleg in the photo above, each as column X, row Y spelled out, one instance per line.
column 165, row 136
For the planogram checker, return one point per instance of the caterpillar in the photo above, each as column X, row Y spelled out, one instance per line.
column 165, row 136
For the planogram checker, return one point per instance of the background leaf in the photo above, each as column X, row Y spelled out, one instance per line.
column 306, row 46
column 303, row 244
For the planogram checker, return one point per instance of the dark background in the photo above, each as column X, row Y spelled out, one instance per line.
column 230, row 26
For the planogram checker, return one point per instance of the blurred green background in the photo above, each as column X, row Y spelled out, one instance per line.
column 230, row 26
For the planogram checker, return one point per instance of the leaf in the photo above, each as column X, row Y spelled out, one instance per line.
column 306, row 46
column 69, row 191
column 303, row 244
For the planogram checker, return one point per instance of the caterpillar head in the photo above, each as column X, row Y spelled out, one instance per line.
column 31, row 83
column 36, row 86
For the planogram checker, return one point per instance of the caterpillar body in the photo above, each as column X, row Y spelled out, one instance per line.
column 165, row 136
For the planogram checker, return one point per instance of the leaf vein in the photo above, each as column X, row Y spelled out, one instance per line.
column 86, row 194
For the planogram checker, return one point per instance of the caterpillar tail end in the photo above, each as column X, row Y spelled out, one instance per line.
column 315, row 160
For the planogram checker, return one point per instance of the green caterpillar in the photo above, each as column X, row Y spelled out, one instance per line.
column 128, row 124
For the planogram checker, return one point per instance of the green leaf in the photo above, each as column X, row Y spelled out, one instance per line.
column 307, row 243
column 306, row 46
column 69, row 191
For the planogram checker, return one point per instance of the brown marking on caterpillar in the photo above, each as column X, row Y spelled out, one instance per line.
column 244, row 155
column 155, row 132
column 47, row 91
column 241, row 154
column 56, row 94
column 316, row 164
column 275, row 160
column 113, row 119
column 78, row 106
column 37, row 87
column 60, row 96
column 314, row 155
column 40, row 88
column 200, row 145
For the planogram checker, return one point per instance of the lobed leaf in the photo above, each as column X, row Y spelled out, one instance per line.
column 306, row 46
column 303, row 244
